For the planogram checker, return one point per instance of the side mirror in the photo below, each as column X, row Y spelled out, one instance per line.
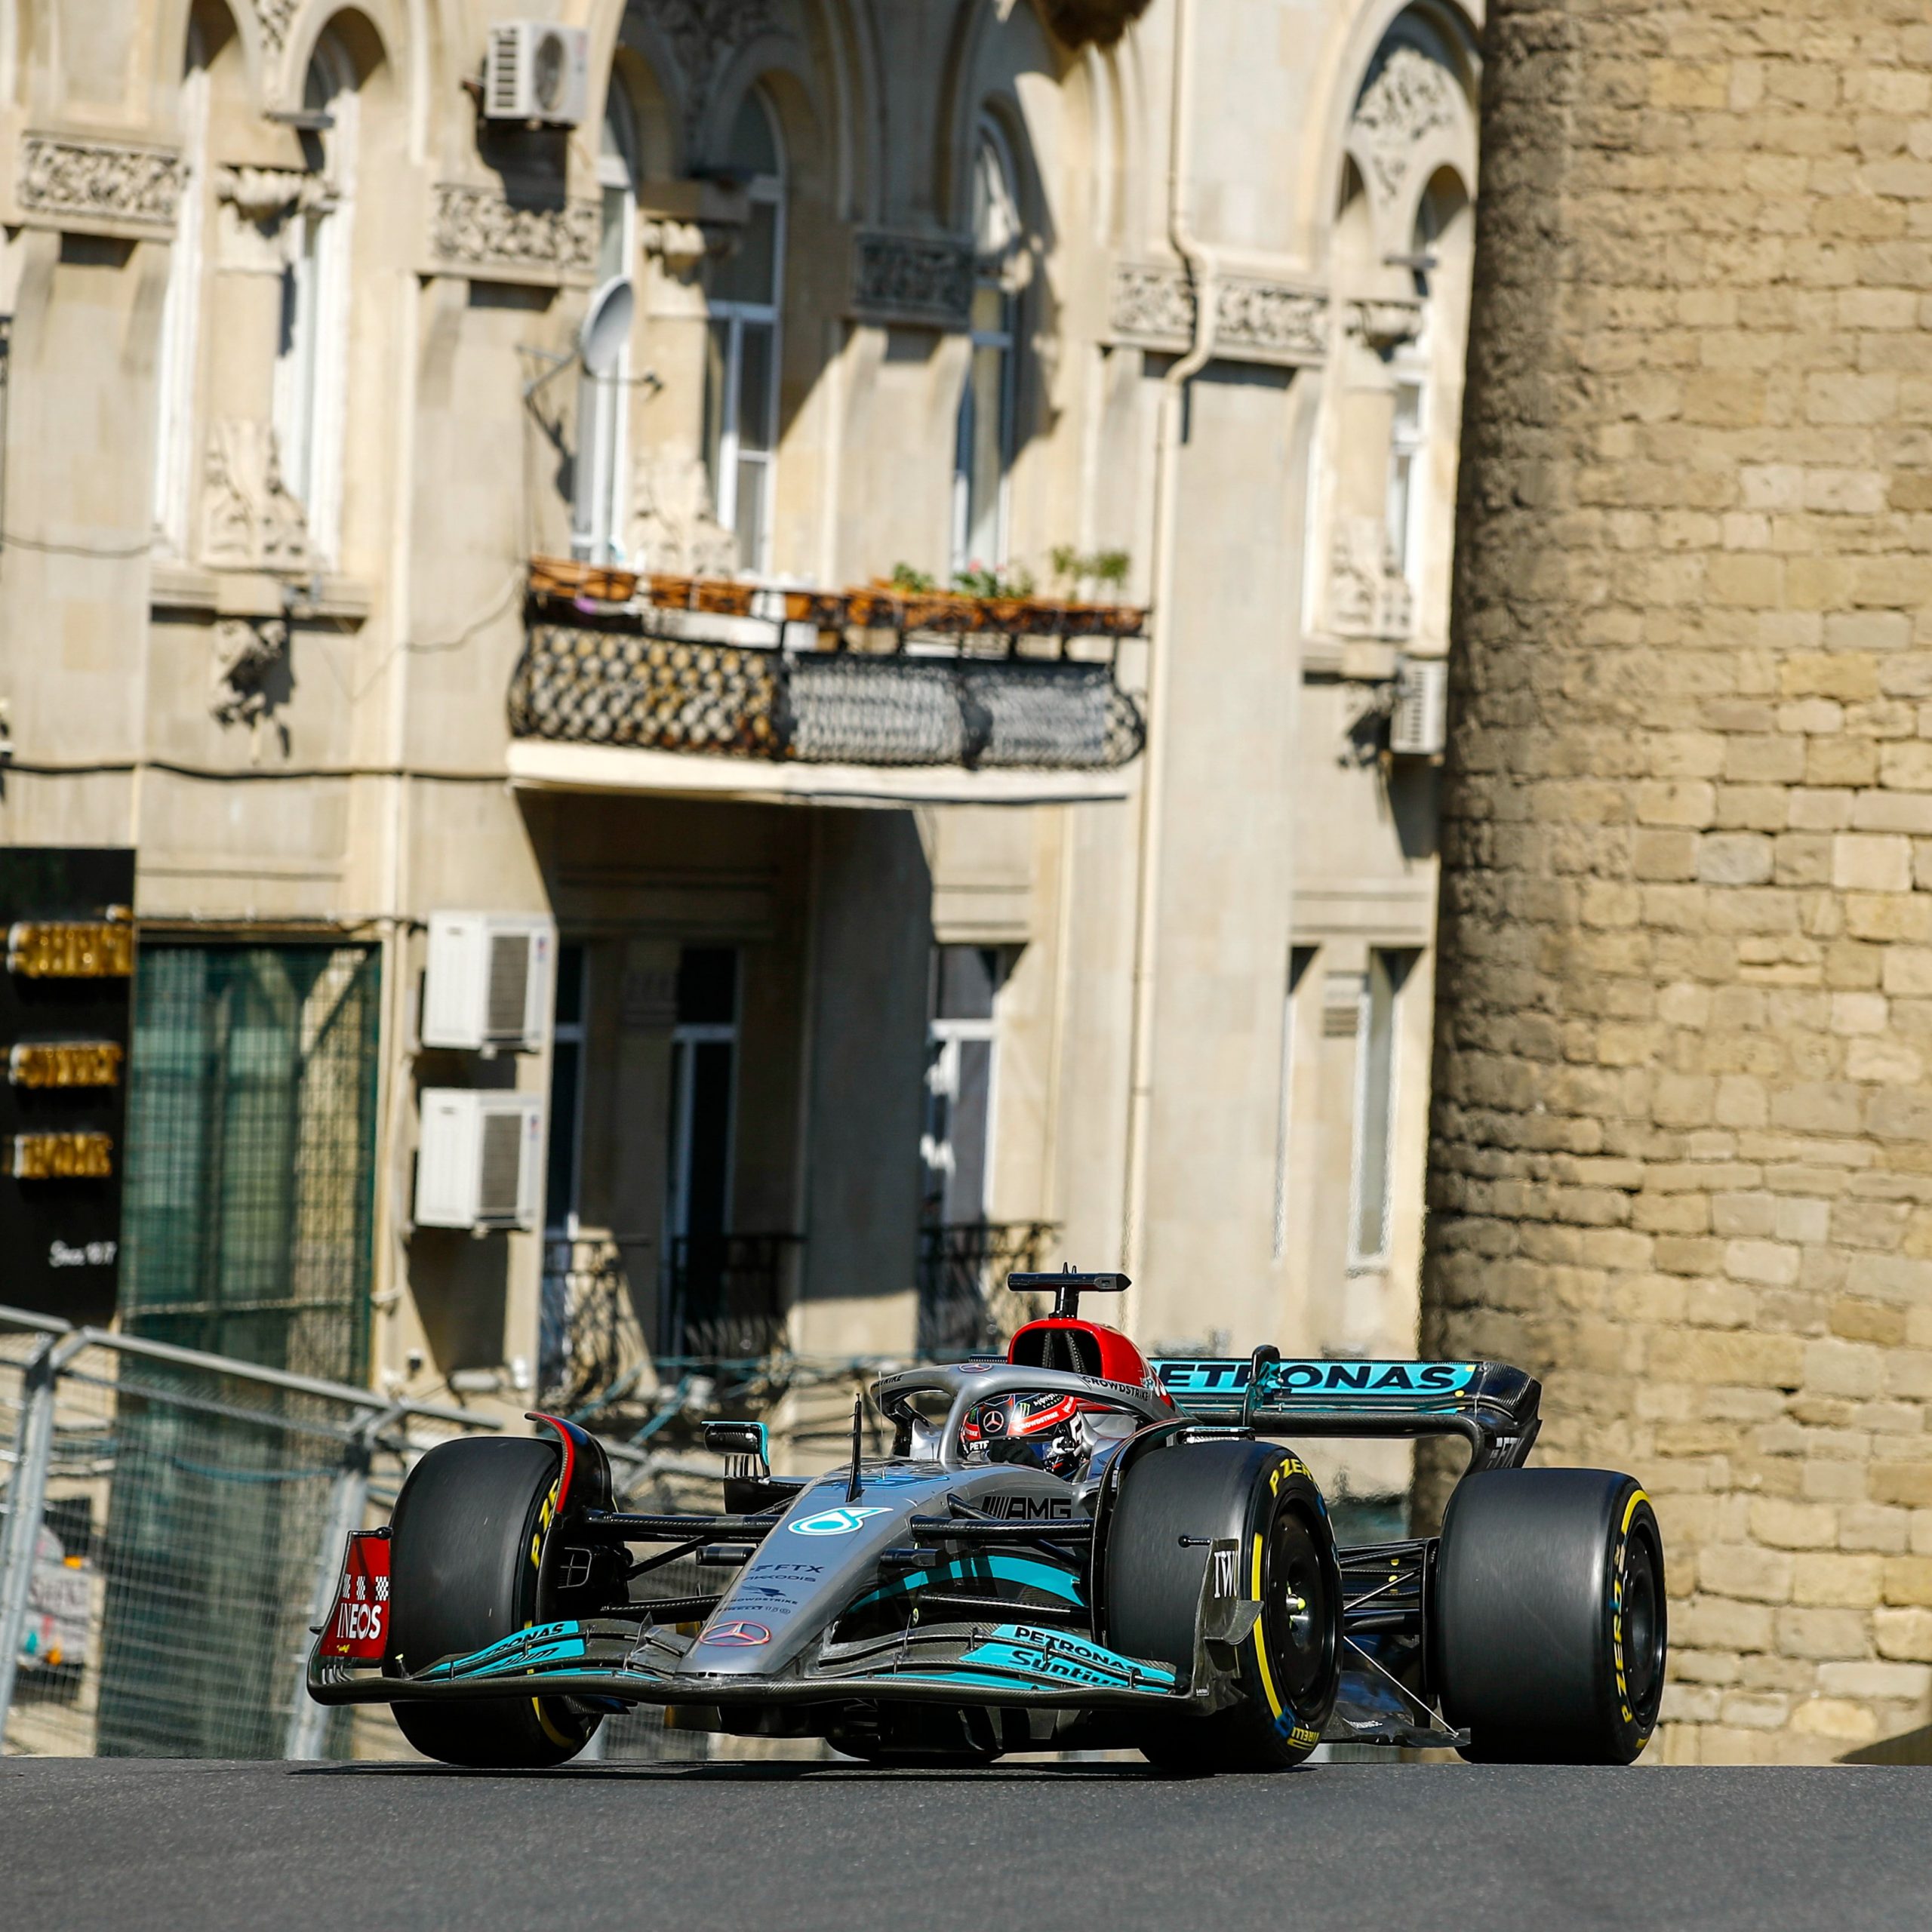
column 745, row 1446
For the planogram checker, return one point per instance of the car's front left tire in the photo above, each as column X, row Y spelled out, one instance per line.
column 465, row 1537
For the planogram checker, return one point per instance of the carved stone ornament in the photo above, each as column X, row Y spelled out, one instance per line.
column 248, row 651
column 1385, row 324
column 681, row 245
column 702, row 35
column 273, row 17
column 1368, row 595
column 249, row 520
column 1151, row 304
column 266, row 195
column 1255, row 320
column 109, row 184
column 479, row 228
column 1411, row 98
column 678, row 530
column 912, row 278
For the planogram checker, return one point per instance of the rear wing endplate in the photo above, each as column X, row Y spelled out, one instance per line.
column 1490, row 1405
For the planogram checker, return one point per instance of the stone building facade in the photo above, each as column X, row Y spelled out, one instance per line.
column 1682, row 1137
column 295, row 404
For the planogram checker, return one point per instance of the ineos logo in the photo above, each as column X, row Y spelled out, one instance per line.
column 360, row 1622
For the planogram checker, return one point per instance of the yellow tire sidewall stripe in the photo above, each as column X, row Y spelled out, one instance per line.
column 1260, row 1636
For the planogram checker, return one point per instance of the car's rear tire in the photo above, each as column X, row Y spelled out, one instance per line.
column 1550, row 1616
column 1289, row 1669
column 464, row 1540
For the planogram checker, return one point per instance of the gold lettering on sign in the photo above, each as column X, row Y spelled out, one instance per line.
column 73, row 948
column 64, row 1063
column 62, row 1157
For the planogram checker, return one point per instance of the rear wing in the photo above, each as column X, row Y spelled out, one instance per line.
column 1490, row 1405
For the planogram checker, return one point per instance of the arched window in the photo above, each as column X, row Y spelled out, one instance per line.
column 180, row 315
column 602, row 413
column 741, row 369
column 982, row 448
column 310, row 360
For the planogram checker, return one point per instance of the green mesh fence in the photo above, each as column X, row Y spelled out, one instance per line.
column 250, row 1163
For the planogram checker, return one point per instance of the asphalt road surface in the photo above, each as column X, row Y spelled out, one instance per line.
column 794, row 1846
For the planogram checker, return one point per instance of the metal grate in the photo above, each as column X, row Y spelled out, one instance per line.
column 502, row 1154
column 509, row 986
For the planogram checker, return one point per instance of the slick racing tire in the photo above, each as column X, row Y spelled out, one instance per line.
column 463, row 1544
column 1549, row 1624
column 1173, row 1502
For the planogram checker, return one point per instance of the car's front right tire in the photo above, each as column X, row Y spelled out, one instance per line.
column 1173, row 1503
column 465, row 1537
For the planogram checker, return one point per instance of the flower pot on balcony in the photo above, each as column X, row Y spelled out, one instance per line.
column 568, row 576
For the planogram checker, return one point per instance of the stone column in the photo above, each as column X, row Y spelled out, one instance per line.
column 1681, row 1150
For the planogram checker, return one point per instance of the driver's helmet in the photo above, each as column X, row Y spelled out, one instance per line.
column 1044, row 1432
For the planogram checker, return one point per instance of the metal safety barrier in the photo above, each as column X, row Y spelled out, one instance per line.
column 171, row 1529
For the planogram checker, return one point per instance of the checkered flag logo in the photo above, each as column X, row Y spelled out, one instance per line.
column 381, row 1589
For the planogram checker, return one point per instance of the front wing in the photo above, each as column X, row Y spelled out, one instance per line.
column 991, row 1663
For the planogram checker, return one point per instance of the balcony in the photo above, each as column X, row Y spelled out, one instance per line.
column 720, row 689
column 726, row 1297
column 965, row 1305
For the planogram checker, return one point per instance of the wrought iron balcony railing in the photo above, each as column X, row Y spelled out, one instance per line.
column 645, row 676
column 584, row 1313
column 726, row 1296
column 965, row 1306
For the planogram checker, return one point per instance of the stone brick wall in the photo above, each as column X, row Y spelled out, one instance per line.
column 1681, row 1153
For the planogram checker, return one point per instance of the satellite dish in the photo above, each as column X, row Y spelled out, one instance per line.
column 607, row 326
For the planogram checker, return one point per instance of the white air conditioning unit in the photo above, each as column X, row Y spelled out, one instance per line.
column 536, row 71
column 489, row 980
column 1419, row 725
column 479, row 1160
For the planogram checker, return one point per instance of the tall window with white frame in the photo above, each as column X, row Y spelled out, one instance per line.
column 598, row 519
column 1377, row 1064
column 1300, row 958
column 698, row 1206
column 567, row 1069
column 564, row 1166
column 983, row 439
column 1408, row 435
column 1410, row 427
column 311, row 365
column 960, row 1250
column 741, row 367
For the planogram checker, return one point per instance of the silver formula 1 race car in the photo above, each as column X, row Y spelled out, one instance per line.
column 1072, row 1549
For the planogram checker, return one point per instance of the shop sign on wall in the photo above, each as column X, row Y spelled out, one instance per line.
column 65, row 1006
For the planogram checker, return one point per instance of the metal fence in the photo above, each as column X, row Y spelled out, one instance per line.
column 610, row 687
column 171, row 1526
column 965, row 1304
